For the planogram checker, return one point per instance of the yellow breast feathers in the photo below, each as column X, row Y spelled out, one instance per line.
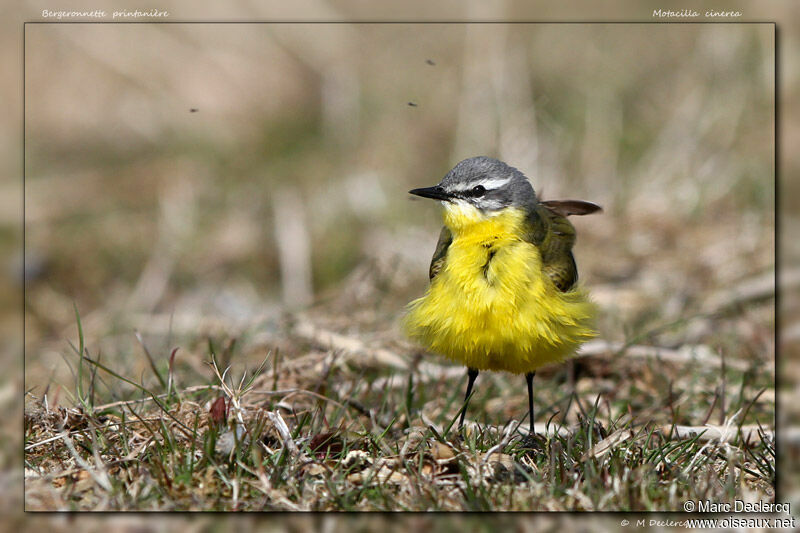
column 491, row 307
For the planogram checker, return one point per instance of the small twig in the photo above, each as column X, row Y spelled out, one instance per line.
column 283, row 431
column 289, row 392
column 426, row 372
column 34, row 445
column 686, row 354
column 609, row 443
column 714, row 433
column 509, row 431
column 193, row 388
column 352, row 348
column 101, row 480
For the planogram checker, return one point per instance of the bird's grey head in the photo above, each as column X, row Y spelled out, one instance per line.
column 485, row 183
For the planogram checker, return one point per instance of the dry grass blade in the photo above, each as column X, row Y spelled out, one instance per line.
column 352, row 348
column 150, row 360
column 710, row 433
column 99, row 473
column 283, row 431
column 687, row 354
column 609, row 443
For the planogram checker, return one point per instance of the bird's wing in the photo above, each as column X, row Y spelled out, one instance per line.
column 571, row 207
column 554, row 235
column 437, row 262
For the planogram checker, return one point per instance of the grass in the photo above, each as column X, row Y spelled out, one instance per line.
column 324, row 431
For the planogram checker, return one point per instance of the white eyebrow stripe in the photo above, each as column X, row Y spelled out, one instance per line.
column 488, row 183
column 494, row 183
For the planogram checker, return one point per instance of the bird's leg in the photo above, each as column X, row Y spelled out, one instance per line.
column 472, row 373
column 529, row 379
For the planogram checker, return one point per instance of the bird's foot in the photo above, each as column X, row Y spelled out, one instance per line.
column 533, row 442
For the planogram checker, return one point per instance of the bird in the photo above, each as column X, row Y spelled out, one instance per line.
column 504, row 292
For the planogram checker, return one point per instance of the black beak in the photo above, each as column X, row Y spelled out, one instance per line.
column 437, row 193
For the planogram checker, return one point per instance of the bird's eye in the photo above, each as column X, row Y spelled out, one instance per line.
column 478, row 190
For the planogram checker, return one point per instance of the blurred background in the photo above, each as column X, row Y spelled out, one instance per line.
column 209, row 177
column 195, row 181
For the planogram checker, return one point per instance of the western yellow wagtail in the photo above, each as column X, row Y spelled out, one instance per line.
column 503, row 292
